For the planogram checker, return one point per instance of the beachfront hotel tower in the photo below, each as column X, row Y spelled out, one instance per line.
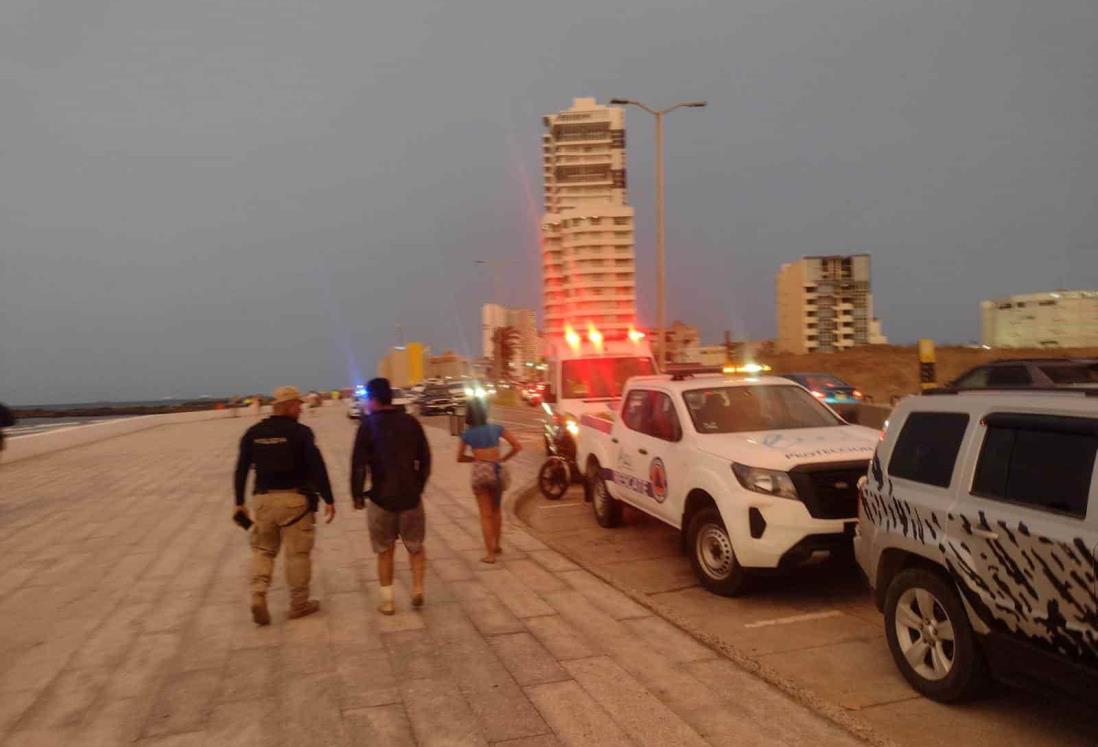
column 587, row 237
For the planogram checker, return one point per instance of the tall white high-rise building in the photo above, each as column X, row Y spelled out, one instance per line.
column 588, row 262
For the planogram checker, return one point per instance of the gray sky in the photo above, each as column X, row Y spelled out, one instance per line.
column 217, row 197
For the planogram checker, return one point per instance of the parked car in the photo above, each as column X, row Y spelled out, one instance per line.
column 357, row 406
column 755, row 472
column 439, row 400
column 1030, row 372
column 978, row 533
column 827, row 388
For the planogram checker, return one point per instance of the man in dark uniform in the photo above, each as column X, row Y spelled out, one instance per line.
column 391, row 446
column 289, row 473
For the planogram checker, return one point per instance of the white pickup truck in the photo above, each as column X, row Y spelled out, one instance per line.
column 754, row 471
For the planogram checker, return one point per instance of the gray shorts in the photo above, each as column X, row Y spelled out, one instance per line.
column 386, row 526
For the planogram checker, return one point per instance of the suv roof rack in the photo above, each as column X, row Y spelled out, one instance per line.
column 1085, row 391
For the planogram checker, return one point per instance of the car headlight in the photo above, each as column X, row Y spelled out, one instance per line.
column 766, row 481
column 572, row 427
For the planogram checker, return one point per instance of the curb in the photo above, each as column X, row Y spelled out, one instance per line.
column 806, row 697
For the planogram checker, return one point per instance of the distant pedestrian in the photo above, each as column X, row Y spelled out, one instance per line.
column 391, row 446
column 7, row 420
column 480, row 445
column 257, row 405
column 289, row 474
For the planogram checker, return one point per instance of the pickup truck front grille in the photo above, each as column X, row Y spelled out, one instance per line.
column 830, row 491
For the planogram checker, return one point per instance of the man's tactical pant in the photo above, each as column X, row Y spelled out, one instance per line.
column 273, row 513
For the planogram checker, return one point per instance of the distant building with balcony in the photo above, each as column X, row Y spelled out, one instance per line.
column 524, row 321
column 825, row 305
column 1051, row 319
column 588, row 262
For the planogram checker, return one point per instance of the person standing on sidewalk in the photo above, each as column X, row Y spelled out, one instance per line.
column 289, row 473
column 391, row 446
column 490, row 477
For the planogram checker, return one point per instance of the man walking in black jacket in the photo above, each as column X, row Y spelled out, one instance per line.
column 391, row 446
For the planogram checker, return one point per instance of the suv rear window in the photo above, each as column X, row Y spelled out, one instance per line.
column 927, row 447
column 1045, row 462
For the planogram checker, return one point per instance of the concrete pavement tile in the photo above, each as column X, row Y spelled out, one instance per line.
column 245, row 724
column 526, row 659
column 652, row 576
column 491, row 691
column 144, row 665
column 439, row 714
column 452, row 569
column 604, row 596
column 65, row 701
column 640, row 713
column 12, row 707
column 365, row 677
column 1009, row 718
column 183, row 703
column 562, row 639
column 545, row 740
column 489, row 615
column 668, row 640
column 751, row 700
column 35, row 667
column 383, row 726
column 250, row 674
column 14, row 578
column 575, row 717
column 112, row 723
column 735, row 612
column 793, row 636
column 514, row 594
column 413, row 655
column 854, row 674
column 522, row 539
column 189, row 739
column 534, row 576
column 109, row 644
column 309, row 707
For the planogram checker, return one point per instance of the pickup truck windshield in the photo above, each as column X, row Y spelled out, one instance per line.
column 742, row 409
column 587, row 378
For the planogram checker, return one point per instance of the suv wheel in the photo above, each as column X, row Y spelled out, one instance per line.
column 607, row 508
column 711, row 554
column 930, row 637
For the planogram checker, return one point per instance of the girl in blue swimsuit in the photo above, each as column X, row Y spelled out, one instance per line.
column 480, row 445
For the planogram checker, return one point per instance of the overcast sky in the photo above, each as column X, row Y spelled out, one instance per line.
column 217, row 197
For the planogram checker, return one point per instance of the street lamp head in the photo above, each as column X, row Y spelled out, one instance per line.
column 697, row 103
column 620, row 102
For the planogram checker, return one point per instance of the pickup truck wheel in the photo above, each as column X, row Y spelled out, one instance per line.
column 607, row 508
column 711, row 554
column 930, row 637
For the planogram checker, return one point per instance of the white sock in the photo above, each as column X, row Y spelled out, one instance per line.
column 386, row 593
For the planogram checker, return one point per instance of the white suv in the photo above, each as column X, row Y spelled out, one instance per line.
column 978, row 531
column 755, row 472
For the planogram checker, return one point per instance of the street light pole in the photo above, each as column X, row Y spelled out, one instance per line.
column 661, row 262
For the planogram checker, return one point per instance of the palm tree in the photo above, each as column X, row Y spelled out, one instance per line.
column 505, row 342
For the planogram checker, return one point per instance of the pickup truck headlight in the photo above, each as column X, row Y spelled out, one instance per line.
column 766, row 481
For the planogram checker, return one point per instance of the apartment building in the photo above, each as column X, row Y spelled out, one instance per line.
column 494, row 316
column 588, row 261
column 1050, row 319
column 824, row 305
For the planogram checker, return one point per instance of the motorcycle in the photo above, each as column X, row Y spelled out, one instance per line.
column 559, row 470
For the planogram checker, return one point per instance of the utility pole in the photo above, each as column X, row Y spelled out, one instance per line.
column 661, row 270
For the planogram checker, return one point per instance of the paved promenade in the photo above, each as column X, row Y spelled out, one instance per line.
column 124, row 620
